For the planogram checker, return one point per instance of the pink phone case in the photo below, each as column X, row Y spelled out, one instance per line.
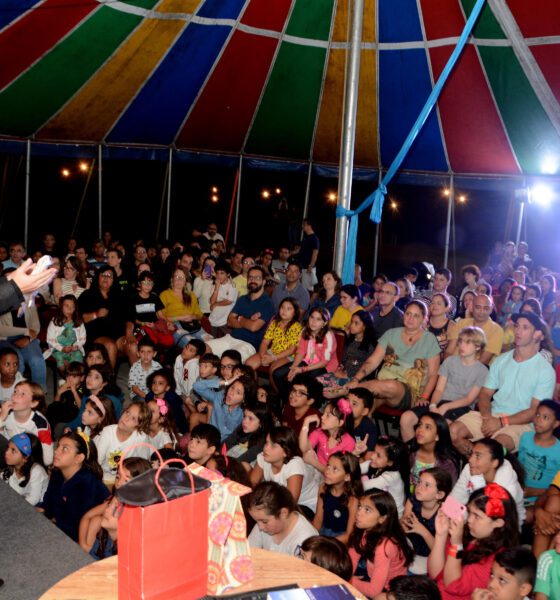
column 453, row 509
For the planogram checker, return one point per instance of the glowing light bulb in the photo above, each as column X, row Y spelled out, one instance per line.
column 265, row 194
column 65, row 173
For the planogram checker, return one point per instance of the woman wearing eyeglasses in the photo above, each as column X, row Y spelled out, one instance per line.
column 103, row 311
column 73, row 280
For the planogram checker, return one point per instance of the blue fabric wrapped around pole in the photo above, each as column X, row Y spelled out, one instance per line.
column 377, row 198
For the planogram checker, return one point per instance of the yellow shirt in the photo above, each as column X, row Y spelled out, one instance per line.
column 342, row 316
column 494, row 335
column 282, row 339
column 240, row 284
column 175, row 307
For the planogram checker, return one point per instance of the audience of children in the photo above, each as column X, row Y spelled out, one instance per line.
column 310, row 473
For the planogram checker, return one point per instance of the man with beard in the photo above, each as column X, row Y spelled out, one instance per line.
column 248, row 319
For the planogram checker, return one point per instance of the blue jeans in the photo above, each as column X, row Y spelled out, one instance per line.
column 182, row 337
column 32, row 356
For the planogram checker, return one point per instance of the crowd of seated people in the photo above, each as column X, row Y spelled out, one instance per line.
column 255, row 365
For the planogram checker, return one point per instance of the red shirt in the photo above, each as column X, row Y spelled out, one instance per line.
column 289, row 417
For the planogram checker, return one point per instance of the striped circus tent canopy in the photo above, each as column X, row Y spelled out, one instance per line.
column 265, row 78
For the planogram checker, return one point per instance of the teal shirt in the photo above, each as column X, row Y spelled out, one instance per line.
column 548, row 575
column 517, row 383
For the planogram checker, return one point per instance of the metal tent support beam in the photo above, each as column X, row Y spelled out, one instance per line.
column 348, row 132
column 520, row 222
column 450, row 203
column 238, row 202
column 307, row 192
column 27, row 189
column 169, row 174
column 100, row 189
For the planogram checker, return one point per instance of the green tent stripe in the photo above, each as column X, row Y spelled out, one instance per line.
column 528, row 126
column 311, row 19
column 487, row 26
column 284, row 123
column 32, row 99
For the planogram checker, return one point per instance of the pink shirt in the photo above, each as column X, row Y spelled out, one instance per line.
column 319, row 440
column 314, row 353
column 388, row 562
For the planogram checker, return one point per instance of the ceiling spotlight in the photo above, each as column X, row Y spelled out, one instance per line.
column 331, row 197
column 278, row 191
column 65, row 173
column 542, row 194
column 462, row 199
column 265, row 194
column 84, row 167
column 214, row 190
column 214, row 198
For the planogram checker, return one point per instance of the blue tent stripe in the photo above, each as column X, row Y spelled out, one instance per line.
column 399, row 21
column 12, row 9
column 404, row 85
column 221, row 9
column 172, row 88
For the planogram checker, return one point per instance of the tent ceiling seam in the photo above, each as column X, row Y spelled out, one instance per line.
column 527, row 61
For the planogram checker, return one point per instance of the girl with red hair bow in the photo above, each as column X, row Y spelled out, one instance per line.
column 463, row 552
column 335, row 434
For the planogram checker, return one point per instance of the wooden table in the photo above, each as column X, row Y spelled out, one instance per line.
column 98, row 581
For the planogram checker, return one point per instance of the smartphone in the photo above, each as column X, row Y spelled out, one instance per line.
column 208, row 270
column 453, row 509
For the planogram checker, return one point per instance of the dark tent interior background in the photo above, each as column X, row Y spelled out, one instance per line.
column 216, row 80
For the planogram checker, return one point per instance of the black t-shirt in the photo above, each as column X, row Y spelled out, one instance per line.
column 308, row 244
column 113, row 324
column 144, row 310
column 381, row 324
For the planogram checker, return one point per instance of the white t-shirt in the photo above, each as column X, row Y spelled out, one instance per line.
column 36, row 487
column 296, row 466
column 110, row 449
column 6, row 392
column 185, row 375
column 289, row 545
column 160, row 439
column 218, row 316
column 390, row 481
column 505, row 476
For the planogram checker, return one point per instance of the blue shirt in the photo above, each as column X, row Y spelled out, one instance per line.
column 225, row 420
column 246, row 307
column 540, row 464
column 517, row 383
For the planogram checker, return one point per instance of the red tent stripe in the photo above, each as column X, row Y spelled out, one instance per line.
column 37, row 32
column 222, row 115
column 471, row 125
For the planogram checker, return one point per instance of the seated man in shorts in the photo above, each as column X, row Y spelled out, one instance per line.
column 518, row 380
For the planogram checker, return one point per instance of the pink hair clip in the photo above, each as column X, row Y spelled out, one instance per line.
column 344, row 407
column 162, row 405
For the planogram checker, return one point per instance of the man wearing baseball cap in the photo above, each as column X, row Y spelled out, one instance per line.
column 518, row 380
